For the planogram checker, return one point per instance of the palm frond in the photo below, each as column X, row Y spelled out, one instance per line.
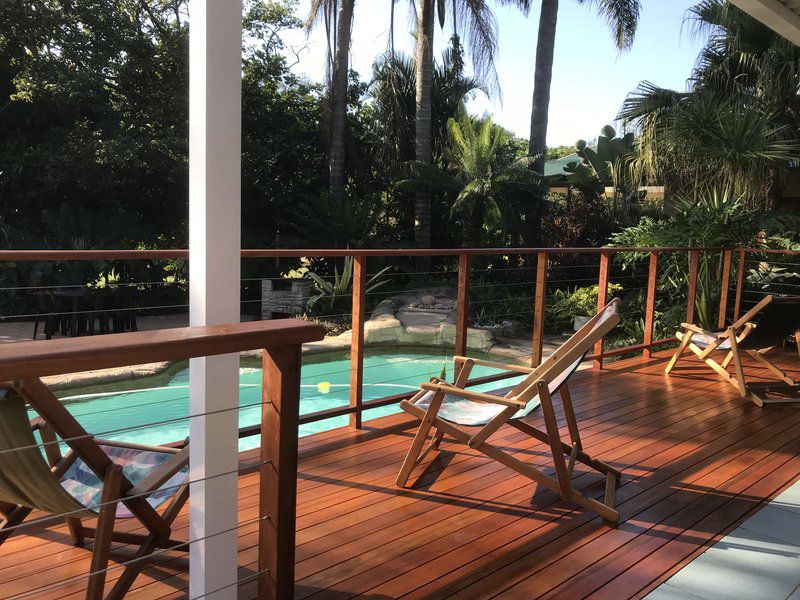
column 622, row 17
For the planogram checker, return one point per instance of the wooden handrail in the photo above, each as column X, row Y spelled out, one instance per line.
column 70, row 355
column 174, row 253
column 87, row 347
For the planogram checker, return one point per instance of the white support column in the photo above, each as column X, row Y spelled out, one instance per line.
column 215, row 59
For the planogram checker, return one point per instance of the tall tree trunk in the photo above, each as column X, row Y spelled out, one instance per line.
column 543, row 77
column 424, row 152
column 339, row 98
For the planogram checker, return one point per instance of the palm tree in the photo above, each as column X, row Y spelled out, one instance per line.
column 479, row 23
column 393, row 93
column 337, row 16
column 623, row 18
column 738, row 126
column 486, row 181
column 480, row 172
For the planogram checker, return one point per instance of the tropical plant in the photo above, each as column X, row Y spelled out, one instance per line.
column 487, row 179
column 564, row 305
column 337, row 290
column 715, row 220
column 737, row 126
column 604, row 166
column 623, row 18
column 336, row 15
column 481, row 36
column 481, row 173
column 392, row 108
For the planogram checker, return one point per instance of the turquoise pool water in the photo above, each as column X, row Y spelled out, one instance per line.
column 156, row 411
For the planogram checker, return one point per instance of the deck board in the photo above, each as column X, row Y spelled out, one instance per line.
column 696, row 460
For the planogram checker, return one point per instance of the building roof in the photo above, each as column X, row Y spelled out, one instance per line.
column 555, row 167
column 783, row 16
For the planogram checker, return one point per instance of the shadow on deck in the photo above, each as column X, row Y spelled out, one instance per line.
column 696, row 460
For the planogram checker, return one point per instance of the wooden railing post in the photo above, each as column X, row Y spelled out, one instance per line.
column 462, row 307
column 650, row 306
column 726, row 282
column 278, row 471
column 602, row 300
column 691, row 299
column 357, row 339
column 737, row 307
column 539, row 300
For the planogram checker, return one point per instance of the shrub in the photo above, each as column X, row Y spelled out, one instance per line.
column 564, row 305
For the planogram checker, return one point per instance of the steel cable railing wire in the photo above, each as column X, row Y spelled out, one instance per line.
column 43, row 445
column 239, row 407
column 95, row 507
column 130, row 428
column 146, row 558
column 79, row 286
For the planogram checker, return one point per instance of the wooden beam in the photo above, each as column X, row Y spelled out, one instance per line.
column 462, row 305
column 725, row 288
column 650, row 305
column 357, row 339
column 737, row 306
column 539, row 301
column 462, row 310
column 602, row 300
column 278, row 472
column 775, row 15
column 691, row 297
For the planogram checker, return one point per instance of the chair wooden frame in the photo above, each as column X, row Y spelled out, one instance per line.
column 735, row 334
column 536, row 382
column 55, row 421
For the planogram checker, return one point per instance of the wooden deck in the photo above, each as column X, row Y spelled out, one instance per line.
column 696, row 460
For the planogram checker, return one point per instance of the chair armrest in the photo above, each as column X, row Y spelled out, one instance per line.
column 496, row 365
column 133, row 446
column 470, row 395
column 160, row 475
column 696, row 329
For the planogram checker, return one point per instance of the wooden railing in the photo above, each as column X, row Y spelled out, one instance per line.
column 543, row 258
column 280, row 342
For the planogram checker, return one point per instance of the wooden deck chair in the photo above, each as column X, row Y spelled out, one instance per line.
column 777, row 320
column 95, row 478
column 447, row 408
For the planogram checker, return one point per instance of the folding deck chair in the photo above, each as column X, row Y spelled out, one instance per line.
column 448, row 407
column 778, row 319
column 95, row 478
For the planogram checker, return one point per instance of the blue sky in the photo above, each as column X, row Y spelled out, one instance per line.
column 590, row 78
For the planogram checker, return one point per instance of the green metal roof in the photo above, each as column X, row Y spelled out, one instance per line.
column 555, row 168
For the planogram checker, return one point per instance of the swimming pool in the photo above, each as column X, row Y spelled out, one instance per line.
column 155, row 410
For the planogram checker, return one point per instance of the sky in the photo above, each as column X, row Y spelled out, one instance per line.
column 590, row 78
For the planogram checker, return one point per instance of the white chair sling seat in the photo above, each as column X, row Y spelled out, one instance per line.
column 704, row 340
column 469, row 413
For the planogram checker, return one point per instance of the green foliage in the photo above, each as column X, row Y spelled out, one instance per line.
column 93, row 114
column 604, row 166
column 583, row 221
column 716, row 220
column 564, row 305
column 482, row 174
column 557, row 152
column 737, row 127
column 337, row 291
